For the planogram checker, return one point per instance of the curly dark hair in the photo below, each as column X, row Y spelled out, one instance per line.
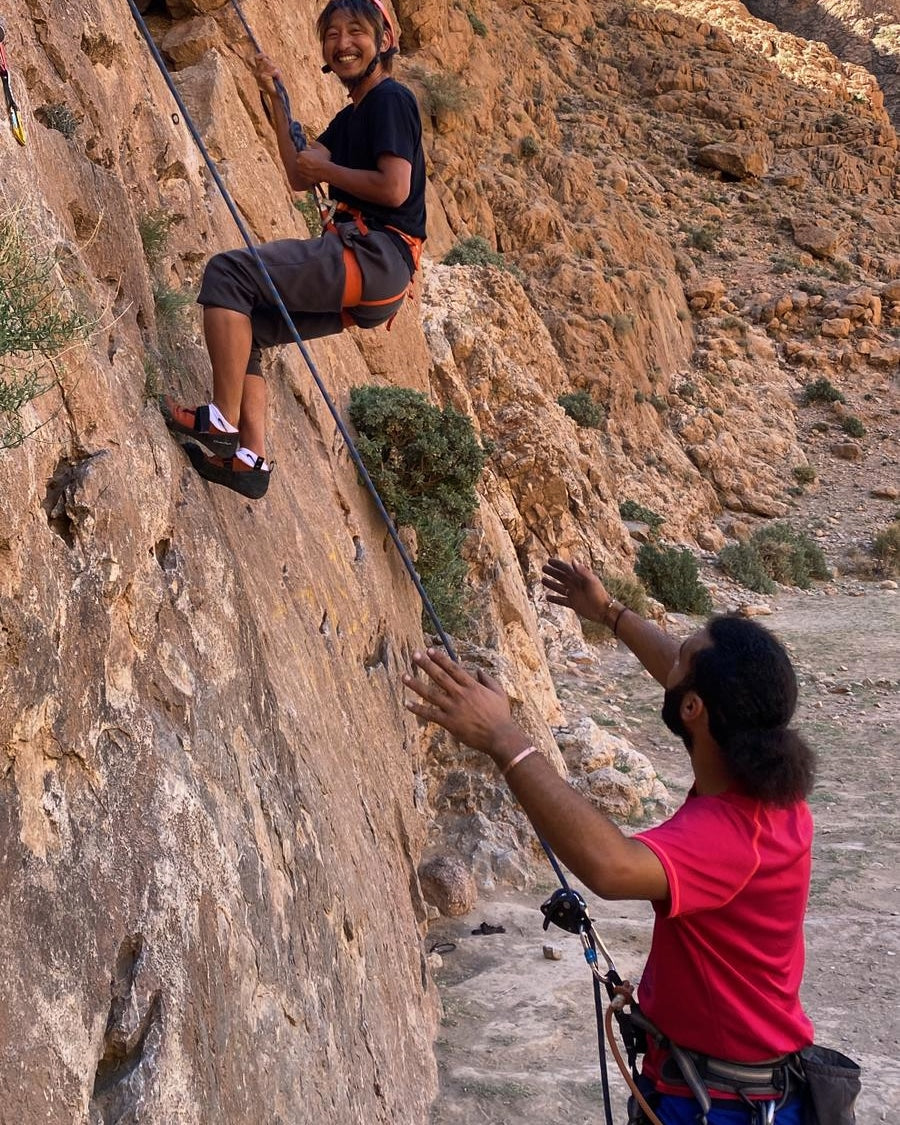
column 748, row 686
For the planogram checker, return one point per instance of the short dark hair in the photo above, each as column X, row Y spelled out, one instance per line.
column 363, row 10
column 748, row 686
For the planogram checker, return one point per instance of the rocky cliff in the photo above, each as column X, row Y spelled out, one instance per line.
column 214, row 807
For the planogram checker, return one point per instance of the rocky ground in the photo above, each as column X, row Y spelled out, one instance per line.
column 517, row 1041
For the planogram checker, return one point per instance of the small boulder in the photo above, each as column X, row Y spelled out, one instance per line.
column 741, row 161
column 639, row 532
column 746, row 609
column 891, row 291
column 706, row 292
column 838, row 328
column 739, row 529
column 846, row 450
column 448, row 883
column 817, row 237
column 710, row 539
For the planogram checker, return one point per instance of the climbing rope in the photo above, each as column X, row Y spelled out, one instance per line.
column 294, row 127
column 565, row 893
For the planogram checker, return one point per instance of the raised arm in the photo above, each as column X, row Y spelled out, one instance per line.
column 577, row 587
column 587, row 842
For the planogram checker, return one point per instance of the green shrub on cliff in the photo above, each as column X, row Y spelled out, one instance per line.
column 425, row 463
column 582, row 409
column 36, row 325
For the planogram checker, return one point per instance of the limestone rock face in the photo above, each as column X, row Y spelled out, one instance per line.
column 214, row 805
column 209, row 818
column 864, row 32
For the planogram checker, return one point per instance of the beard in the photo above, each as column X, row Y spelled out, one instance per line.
column 671, row 712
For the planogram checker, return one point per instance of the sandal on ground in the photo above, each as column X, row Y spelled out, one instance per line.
column 196, row 424
column 231, row 472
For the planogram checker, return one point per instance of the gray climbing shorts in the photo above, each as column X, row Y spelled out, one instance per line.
column 310, row 276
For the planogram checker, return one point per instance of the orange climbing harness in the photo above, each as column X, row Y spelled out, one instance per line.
column 353, row 285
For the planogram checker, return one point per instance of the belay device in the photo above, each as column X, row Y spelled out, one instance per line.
column 568, row 910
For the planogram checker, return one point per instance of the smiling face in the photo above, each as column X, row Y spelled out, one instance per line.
column 349, row 46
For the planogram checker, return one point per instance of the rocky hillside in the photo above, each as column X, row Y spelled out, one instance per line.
column 215, row 809
column 864, row 32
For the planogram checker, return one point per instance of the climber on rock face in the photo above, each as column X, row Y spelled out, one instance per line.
column 356, row 273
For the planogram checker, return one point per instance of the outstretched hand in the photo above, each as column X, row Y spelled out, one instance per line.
column 577, row 587
column 476, row 711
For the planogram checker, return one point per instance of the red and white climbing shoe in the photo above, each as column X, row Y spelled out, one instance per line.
column 251, row 481
column 198, row 424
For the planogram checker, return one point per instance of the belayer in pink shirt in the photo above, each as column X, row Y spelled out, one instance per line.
column 728, row 874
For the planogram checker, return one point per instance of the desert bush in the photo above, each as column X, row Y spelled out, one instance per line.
column 59, row 117
column 309, row 209
column 789, row 556
column 743, row 563
column 36, row 325
column 702, row 238
column 528, row 148
column 632, row 510
column 804, row 474
column 672, row 576
column 853, row 426
column 477, row 24
column 444, row 93
column 170, row 304
column 822, row 390
column 582, row 409
column 154, row 229
column 886, row 549
column 477, row 251
column 425, row 463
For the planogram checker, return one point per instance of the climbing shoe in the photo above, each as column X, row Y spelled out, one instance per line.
column 232, row 472
column 196, row 423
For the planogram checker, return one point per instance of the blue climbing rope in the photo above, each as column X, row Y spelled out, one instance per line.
column 294, row 127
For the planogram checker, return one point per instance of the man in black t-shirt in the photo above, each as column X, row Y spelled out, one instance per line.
column 359, row 270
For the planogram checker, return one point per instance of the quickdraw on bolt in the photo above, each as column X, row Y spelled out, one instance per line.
column 18, row 129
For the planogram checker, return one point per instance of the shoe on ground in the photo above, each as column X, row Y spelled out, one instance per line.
column 196, row 424
column 230, row 472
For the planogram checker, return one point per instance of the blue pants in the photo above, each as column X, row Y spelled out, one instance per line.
column 684, row 1111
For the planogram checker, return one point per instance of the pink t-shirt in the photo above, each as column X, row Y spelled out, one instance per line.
column 726, row 960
